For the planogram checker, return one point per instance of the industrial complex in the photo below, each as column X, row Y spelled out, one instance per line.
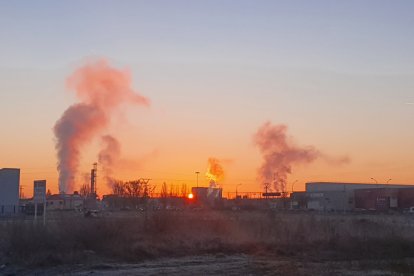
column 318, row 196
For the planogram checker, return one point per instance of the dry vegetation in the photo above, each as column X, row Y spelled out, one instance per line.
column 114, row 238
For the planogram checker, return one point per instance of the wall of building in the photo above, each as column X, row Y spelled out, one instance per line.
column 9, row 191
column 330, row 201
column 406, row 198
column 338, row 186
column 380, row 199
column 298, row 200
column 333, row 196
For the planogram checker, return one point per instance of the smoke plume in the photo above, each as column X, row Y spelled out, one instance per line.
column 280, row 154
column 101, row 90
column 215, row 171
column 109, row 156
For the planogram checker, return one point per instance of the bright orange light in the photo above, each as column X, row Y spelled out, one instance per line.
column 190, row 196
column 215, row 171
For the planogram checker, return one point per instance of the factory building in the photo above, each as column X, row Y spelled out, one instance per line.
column 334, row 196
column 64, row 202
column 9, row 191
column 208, row 196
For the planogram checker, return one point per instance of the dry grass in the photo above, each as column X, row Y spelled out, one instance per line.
column 304, row 236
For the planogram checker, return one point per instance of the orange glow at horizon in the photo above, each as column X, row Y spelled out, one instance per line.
column 359, row 172
column 169, row 146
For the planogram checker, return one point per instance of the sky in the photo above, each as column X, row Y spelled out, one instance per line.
column 339, row 74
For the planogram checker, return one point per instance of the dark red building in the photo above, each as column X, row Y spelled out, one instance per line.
column 380, row 199
column 405, row 198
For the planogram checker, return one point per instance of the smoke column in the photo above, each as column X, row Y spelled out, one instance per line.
column 280, row 154
column 215, row 171
column 109, row 155
column 101, row 90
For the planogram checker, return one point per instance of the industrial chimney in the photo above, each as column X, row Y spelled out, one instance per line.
column 93, row 179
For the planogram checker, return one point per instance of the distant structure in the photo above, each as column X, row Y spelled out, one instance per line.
column 207, row 196
column 94, row 172
column 39, row 199
column 64, row 202
column 90, row 202
column 9, row 191
column 336, row 196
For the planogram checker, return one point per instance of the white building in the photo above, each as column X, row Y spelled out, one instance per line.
column 64, row 202
column 9, row 191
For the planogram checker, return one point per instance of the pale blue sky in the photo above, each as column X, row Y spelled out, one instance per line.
column 345, row 36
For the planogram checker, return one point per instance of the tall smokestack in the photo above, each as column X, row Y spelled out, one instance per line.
column 102, row 90
column 94, row 172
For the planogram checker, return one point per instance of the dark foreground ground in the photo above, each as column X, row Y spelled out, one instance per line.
column 228, row 265
column 209, row 243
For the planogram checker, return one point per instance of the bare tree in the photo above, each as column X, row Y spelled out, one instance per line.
column 84, row 190
column 134, row 188
column 184, row 190
column 171, row 190
column 118, row 188
column 164, row 190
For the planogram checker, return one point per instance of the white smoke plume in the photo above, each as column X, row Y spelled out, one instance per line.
column 101, row 90
column 109, row 156
column 280, row 154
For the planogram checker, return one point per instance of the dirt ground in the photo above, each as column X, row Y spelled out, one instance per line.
column 229, row 265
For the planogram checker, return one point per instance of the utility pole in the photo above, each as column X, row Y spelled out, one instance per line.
column 197, row 173
column 21, row 192
column 266, row 186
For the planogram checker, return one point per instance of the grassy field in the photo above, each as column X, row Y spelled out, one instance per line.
column 372, row 241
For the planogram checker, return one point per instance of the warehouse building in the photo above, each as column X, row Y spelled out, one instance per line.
column 335, row 196
column 9, row 191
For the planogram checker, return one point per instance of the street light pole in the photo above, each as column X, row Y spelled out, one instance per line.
column 294, row 184
column 388, row 181
column 197, row 173
column 374, row 180
column 236, row 188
